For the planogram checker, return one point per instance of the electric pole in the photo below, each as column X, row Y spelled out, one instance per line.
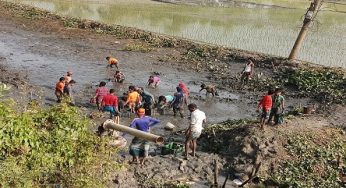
column 309, row 17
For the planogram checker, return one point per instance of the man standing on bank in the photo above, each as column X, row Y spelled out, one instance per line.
column 195, row 129
column 139, row 148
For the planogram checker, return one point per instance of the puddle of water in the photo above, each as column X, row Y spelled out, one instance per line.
column 270, row 30
column 45, row 71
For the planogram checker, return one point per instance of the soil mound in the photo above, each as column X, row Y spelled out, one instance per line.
column 282, row 153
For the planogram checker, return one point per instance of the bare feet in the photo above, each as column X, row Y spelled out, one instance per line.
column 133, row 162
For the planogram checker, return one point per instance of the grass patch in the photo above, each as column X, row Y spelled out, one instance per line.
column 314, row 163
column 138, row 48
column 326, row 85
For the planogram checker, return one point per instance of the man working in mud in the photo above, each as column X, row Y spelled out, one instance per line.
column 59, row 89
column 119, row 77
column 185, row 90
column 178, row 102
column 101, row 91
column 148, row 100
column 112, row 62
column 164, row 102
column 133, row 99
column 139, row 148
column 248, row 71
column 210, row 89
column 68, row 77
column 68, row 92
column 195, row 129
column 110, row 104
column 265, row 105
column 154, row 81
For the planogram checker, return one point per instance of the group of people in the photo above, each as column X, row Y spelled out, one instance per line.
column 139, row 148
column 137, row 100
column 272, row 106
column 63, row 88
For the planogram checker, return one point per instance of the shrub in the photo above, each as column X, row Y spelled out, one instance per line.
column 138, row 48
column 47, row 147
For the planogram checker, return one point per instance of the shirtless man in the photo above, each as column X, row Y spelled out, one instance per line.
column 119, row 77
column 68, row 77
column 163, row 103
column 210, row 89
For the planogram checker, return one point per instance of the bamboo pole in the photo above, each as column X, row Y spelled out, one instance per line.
column 309, row 17
column 109, row 124
column 216, row 173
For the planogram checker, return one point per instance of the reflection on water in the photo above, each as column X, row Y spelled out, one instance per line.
column 270, row 30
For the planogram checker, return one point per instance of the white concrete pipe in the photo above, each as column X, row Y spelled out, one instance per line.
column 109, row 124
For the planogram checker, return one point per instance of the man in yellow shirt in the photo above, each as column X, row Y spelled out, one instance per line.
column 112, row 61
column 133, row 99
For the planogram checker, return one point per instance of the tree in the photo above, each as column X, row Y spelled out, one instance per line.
column 309, row 18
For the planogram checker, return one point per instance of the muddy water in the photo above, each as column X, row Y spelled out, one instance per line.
column 265, row 29
column 47, row 60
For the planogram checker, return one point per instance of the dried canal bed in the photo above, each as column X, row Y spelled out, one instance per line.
column 267, row 30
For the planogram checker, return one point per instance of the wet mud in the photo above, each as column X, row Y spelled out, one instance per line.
column 46, row 57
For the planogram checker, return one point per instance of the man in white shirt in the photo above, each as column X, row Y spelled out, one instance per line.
column 195, row 129
column 248, row 71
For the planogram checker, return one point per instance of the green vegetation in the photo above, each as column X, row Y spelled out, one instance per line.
column 3, row 88
column 51, row 147
column 138, row 48
column 70, row 22
column 314, row 163
column 325, row 85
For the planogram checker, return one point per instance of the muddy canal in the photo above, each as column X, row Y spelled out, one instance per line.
column 45, row 59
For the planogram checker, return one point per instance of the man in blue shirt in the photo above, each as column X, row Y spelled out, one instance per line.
column 178, row 102
column 140, row 147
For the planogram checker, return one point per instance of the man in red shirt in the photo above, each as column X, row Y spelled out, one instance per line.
column 59, row 89
column 265, row 105
column 110, row 104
